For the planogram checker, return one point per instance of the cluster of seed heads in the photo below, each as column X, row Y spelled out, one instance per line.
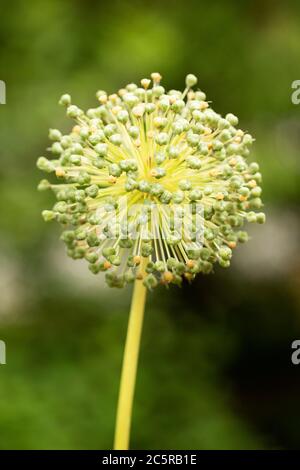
column 153, row 148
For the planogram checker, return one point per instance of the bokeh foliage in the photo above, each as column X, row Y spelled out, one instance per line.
column 215, row 364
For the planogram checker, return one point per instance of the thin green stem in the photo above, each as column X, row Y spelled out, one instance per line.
column 129, row 368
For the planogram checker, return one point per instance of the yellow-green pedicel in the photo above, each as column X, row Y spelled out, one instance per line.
column 131, row 167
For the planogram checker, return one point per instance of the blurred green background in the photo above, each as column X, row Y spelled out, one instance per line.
column 215, row 366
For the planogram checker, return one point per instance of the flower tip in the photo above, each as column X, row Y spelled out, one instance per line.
column 156, row 77
column 65, row 100
column 190, row 80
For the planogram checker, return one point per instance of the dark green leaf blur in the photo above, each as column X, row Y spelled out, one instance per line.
column 215, row 370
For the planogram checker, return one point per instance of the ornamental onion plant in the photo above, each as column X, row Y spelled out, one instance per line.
column 152, row 187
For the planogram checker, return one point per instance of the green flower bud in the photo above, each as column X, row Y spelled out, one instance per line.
column 200, row 95
column 108, row 251
column 150, row 108
column 195, row 195
column 80, row 234
column 225, row 252
column 158, row 91
column 232, row 119
column 123, row 116
column 178, row 106
column 146, row 249
column 193, row 139
column 159, row 158
column 116, row 139
column 133, row 131
column 260, row 218
column 162, row 138
column 206, row 267
column 92, row 191
column 130, row 99
column 160, row 266
column 194, row 253
column 180, row 268
column 205, row 254
column 109, row 130
column 83, row 178
column 235, row 182
column 254, row 167
column 178, row 127
column 65, row 141
column 92, row 239
column 114, row 169
column 225, row 135
column 224, row 263
column 190, row 80
column 54, row 134
column 150, row 281
column 75, row 160
column 45, row 165
column 160, row 122
column 128, row 165
column 203, row 148
column 251, row 217
column 62, row 195
column 73, row 111
column 79, row 253
column 173, row 152
column 56, row 148
column 125, row 243
column 217, row 145
column 242, row 237
column 144, row 186
column 94, row 268
column 100, row 163
column 156, row 189
column 194, row 163
column 44, row 185
column 185, row 185
column 65, row 100
column 256, row 192
column 115, row 260
column 165, row 197
column 178, row 197
column 248, row 140
column 91, row 257
column 96, row 138
column 61, row 207
column 94, row 219
column 48, row 215
column 159, row 172
column 255, row 203
column 257, row 177
column 68, row 236
column 244, row 191
column 171, row 264
column 233, row 149
column 101, row 149
column 130, row 184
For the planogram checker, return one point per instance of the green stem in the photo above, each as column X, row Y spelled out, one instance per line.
column 129, row 368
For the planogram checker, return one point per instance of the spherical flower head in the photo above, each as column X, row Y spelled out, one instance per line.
column 152, row 176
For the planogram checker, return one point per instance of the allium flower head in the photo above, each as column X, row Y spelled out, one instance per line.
column 155, row 175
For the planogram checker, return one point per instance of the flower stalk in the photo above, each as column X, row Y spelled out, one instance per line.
column 153, row 174
column 129, row 368
column 152, row 187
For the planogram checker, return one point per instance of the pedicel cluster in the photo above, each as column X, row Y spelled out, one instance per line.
column 137, row 166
